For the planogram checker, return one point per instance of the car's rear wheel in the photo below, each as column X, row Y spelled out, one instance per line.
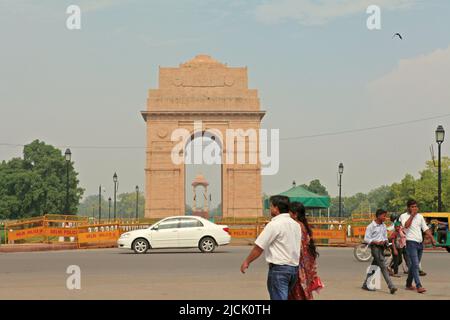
column 140, row 246
column 207, row 245
column 448, row 249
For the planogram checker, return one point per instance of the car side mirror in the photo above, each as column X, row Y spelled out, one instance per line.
column 155, row 228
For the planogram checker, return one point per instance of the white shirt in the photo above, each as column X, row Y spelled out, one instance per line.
column 375, row 232
column 280, row 240
column 418, row 225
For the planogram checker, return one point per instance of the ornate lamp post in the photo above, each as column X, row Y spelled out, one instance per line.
column 109, row 209
column 115, row 192
column 68, row 157
column 440, row 135
column 341, row 171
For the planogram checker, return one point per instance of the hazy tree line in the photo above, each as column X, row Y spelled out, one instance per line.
column 125, row 206
column 36, row 184
column 393, row 197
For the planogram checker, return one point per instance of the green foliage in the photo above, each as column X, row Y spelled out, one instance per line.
column 36, row 184
column 393, row 198
column 402, row 191
column 380, row 198
column 316, row 187
column 89, row 207
column 125, row 206
column 424, row 189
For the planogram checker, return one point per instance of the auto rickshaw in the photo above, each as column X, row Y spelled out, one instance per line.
column 439, row 222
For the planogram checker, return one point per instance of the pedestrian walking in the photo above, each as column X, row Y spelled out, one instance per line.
column 398, row 240
column 414, row 224
column 308, row 281
column 280, row 242
column 376, row 237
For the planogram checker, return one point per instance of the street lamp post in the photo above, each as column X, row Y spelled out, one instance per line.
column 440, row 135
column 115, row 191
column 68, row 157
column 109, row 209
column 341, row 171
column 100, row 203
column 137, row 201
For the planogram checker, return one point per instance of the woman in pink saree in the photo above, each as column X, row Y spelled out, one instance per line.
column 307, row 272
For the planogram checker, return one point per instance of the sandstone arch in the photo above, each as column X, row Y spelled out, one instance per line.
column 206, row 90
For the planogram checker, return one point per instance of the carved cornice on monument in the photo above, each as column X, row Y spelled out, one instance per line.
column 200, row 115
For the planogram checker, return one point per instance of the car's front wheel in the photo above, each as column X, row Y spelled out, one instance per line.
column 140, row 246
column 207, row 245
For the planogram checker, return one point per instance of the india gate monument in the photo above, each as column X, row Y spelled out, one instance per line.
column 207, row 91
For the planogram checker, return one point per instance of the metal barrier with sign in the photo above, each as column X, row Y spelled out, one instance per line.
column 48, row 228
column 61, row 228
column 64, row 228
column 96, row 234
column 329, row 233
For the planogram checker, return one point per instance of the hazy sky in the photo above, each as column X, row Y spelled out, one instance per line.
column 317, row 67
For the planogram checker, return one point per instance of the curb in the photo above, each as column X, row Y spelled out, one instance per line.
column 11, row 248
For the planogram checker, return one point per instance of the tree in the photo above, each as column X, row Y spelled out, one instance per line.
column 125, row 206
column 424, row 189
column 357, row 203
column 402, row 191
column 426, row 192
column 380, row 198
column 316, row 187
column 89, row 207
column 36, row 184
column 393, row 198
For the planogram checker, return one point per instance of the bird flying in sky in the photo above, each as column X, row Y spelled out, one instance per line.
column 399, row 35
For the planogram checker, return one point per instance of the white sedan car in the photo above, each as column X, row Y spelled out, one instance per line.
column 177, row 232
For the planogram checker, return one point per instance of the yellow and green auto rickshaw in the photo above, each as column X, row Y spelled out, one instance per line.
column 439, row 222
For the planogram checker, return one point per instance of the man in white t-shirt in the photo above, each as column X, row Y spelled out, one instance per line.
column 414, row 224
column 280, row 241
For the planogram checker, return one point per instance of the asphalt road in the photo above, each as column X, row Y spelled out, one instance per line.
column 189, row 274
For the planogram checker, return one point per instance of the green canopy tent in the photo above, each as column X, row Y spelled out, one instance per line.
column 309, row 199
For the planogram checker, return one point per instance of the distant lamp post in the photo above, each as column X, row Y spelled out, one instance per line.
column 115, row 192
column 68, row 157
column 109, row 209
column 137, row 201
column 294, row 184
column 100, row 202
column 440, row 135
column 341, row 171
